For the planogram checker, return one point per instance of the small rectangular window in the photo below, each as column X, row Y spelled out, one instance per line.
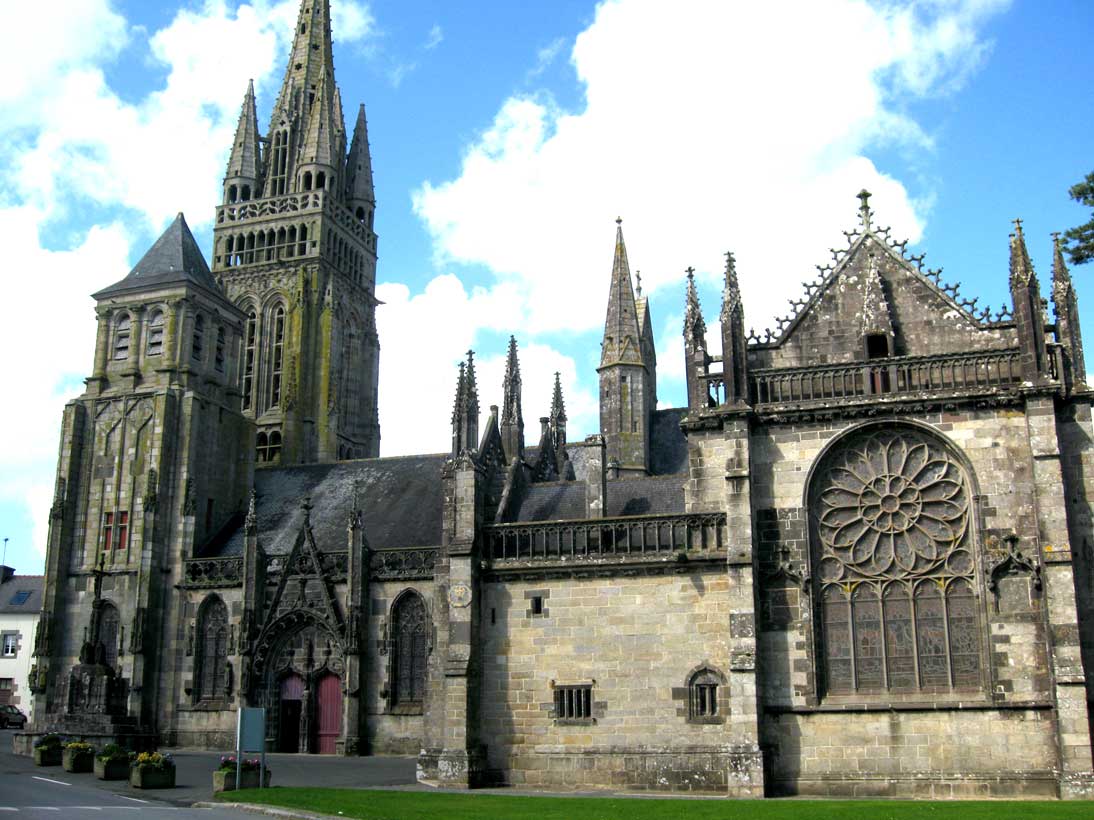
column 20, row 597
column 108, row 530
column 574, row 702
column 537, row 605
column 11, row 644
column 123, row 530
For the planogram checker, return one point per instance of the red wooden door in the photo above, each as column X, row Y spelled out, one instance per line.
column 328, row 706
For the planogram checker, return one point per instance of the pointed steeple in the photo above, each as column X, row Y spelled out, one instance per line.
column 359, row 188
column 557, row 423
column 558, row 404
column 319, row 148
column 1068, row 331
column 242, row 180
column 465, row 411
column 622, row 342
column 512, row 416
column 310, row 62
column 696, row 358
column 174, row 257
column 1025, row 292
column 734, row 343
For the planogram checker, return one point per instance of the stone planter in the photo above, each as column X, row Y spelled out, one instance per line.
column 47, row 756
column 111, row 769
column 225, row 781
column 147, row 777
column 77, row 762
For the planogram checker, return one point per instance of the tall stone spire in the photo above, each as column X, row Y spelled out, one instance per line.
column 1068, row 332
column 734, row 342
column 695, row 345
column 360, row 194
column 243, row 177
column 1025, row 292
column 512, row 416
column 558, row 407
column 310, row 62
column 621, row 343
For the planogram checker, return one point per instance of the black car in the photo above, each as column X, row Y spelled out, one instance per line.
column 10, row 717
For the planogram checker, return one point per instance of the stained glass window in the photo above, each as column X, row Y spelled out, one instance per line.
column 212, row 657
column 411, row 630
column 890, row 518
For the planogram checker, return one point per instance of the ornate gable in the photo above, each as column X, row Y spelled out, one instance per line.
column 875, row 286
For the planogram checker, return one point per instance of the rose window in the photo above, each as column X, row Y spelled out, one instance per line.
column 891, row 504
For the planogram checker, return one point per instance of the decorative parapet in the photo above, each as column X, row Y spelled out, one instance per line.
column 201, row 573
column 334, row 565
column 402, row 564
column 978, row 373
column 592, row 541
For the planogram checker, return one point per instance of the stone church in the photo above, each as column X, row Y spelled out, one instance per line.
column 858, row 562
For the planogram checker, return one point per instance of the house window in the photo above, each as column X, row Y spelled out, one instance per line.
column 410, row 625
column 123, row 530
column 249, row 360
column 574, row 702
column 6, row 689
column 122, row 332
column 895, row 567
column 703, row 694
column 212, row 661
column 11, row 644
column 108, row 531
column 198, row 343
column 537, row 604
column 20, row 597
column 155, row 334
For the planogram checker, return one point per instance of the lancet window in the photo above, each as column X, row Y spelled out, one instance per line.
column 250, row 332
column 155, row 334
column 212, row 656
column 277, row 351
column 410, row 630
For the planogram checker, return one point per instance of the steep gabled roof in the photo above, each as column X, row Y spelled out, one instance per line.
column 174, row 258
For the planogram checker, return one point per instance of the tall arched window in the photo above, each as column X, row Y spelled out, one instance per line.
column 277, row 350
column 274, row 453
column 109, row 627
column 410, row 631
column 122, row 331
column 198, row 344
column 155, row 333
column 893, row 553
column 262, row 447
column 249, row 334
column 210, row 671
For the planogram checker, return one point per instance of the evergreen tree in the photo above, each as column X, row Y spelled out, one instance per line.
column 1080, row 240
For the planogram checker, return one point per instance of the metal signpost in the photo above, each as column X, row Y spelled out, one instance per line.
column 251, row 737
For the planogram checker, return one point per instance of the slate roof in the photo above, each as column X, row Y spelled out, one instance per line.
column 668, row 444
column 175, row 257
column 400, row 498
column 10, row 590
column 565, row 500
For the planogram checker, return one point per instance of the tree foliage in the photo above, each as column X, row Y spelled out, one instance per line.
column 1080, row 239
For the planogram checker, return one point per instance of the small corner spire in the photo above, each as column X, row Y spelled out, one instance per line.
column 865, row 215
column 731, row 294
column 558, row 405
column 695, row 327
column 251, row 523
column 1021, row 268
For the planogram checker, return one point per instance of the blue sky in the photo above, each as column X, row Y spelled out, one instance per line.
column 506, row 138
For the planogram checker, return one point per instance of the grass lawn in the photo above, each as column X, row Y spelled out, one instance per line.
column 397, row 805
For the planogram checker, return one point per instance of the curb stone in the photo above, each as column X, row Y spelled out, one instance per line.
column 269, row 811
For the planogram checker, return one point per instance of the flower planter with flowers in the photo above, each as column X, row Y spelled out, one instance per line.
column 112, row 763
column 78, row 757
column 224, row 778
column 152, row 770
column 47, row 750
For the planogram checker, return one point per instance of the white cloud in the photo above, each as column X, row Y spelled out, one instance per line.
column 73, row 140
column 415, row 407
column 434, row 38
column 708, row 126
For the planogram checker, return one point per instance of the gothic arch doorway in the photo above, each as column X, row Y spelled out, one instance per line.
column 290, row 711
column 328, row 714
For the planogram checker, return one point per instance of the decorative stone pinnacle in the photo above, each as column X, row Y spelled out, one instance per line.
column 1017, row 225
column 638, row 282
column 1055, row 238
column 865, row 215
column 690, row 272
column 619, row 220
column 306, row 506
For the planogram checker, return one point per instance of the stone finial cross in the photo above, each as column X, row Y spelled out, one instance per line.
column 638, row 285
column 865, row 215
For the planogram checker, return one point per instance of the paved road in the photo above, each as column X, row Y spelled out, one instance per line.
column 52, row 792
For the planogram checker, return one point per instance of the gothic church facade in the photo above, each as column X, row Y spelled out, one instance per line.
column 856, row 563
